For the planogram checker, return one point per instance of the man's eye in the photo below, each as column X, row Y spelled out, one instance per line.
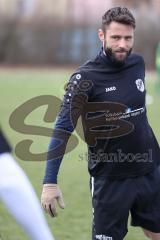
column 128, row 38
column 116, row 37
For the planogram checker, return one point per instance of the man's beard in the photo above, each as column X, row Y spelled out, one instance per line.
column 114, row 58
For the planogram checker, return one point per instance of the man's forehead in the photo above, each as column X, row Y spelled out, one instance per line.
column 119, row 28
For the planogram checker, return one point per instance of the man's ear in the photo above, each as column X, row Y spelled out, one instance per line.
column 101, row 35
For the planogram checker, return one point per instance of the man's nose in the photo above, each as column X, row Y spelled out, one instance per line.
column 122, row 43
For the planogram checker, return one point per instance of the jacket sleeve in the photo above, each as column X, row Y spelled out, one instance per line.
column 76, row 94
column 4, row 145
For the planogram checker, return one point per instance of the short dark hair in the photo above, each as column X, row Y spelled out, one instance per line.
column 120, row 15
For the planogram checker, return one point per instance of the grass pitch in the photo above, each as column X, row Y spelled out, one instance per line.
column 16, row 87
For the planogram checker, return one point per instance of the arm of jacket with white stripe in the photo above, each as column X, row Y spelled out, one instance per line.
column 77, row 93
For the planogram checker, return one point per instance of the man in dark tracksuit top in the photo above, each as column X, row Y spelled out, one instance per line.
column 123, row 153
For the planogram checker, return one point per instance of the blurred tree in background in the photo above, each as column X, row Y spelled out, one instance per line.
column 158, row 68
column 65, row 31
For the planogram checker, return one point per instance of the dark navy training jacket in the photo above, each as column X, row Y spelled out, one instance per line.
column 110, row 99
column 4, row 145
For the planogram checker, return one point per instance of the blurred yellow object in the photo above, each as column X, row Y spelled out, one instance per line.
column 158, row 68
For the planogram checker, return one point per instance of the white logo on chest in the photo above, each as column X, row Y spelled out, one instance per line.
column 140, row 85
column 110, row 89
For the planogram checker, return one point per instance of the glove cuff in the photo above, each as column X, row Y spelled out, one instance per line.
column 50, row 185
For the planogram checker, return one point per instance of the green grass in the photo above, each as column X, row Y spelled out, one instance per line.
column 18, row 86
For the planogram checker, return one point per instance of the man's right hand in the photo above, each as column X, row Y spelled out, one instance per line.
column 51, row 194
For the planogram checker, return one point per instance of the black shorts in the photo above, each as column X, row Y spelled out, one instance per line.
column 113, row 200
